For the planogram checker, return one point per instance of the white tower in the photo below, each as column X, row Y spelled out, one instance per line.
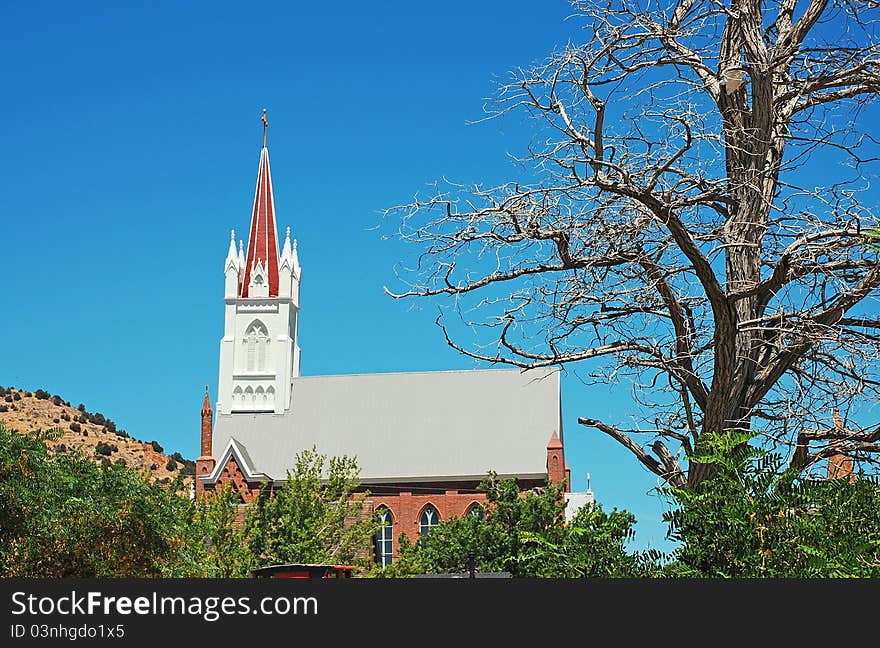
column 259, row 354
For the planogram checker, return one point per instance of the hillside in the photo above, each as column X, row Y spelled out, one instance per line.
column 91, row 433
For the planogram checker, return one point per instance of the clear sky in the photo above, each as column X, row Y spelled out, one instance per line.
column 130, row 140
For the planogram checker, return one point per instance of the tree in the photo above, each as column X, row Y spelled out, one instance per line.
column 753, row 518
column 668, row 226
column 214, row 542
column 317, row 516
column 66, row 516
column 525, row 535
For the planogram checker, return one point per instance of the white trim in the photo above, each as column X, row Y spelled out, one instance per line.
column 233, row 449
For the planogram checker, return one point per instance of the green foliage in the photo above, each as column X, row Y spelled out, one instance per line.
column 753, row 519
column 105, row 449
column 76, row 427
column 171, row 465
column 526, row 535
column 65, row 516
column 213, row 543
column 156, row 446
column 315, row 517
column 42, row 394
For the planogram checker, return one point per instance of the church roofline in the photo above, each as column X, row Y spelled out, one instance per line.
column 239, row 452
column 549, row 371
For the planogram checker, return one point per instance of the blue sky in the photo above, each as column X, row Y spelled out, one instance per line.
column 130, row 139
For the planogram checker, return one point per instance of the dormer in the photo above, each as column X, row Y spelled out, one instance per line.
column 259, row 283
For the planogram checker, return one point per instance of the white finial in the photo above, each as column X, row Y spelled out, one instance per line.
column 285, row 250
column 231, row 257
column 588, row 481
column 295, row 258
column 232, row 236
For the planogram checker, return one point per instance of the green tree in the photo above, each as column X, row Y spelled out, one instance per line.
column 317, row 516
column 65, row 516
column 753, row 519
column 213, row 539
column 525, row 535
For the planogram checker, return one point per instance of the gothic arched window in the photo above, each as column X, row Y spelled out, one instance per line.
column 256, row 340
column 428, row 519
column 385, row 538
column 475, row 510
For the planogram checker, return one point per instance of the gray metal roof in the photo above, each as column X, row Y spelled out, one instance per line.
column 409, row 426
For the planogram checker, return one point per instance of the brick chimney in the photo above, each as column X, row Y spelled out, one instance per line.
column 205, row 463
column 556, row 472
column 840, row 466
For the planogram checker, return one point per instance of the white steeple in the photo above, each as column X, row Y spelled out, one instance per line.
column 259, row 354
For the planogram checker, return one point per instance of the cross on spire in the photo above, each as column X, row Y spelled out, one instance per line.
column 265, row 127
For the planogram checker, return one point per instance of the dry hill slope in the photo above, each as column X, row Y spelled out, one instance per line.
column 90, row 433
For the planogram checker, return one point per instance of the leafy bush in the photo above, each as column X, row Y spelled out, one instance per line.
column 8, row 398
column 65, row 416
column 81, row 407
column 16, row 396
column 3, row 408
column 75, row 427
column 56, row 400
column 171, row 465
column 753, row 519
column 105, row 449
column 42, row 394
column 156, row 446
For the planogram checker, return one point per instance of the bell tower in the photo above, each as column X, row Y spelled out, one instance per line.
column 259, row 354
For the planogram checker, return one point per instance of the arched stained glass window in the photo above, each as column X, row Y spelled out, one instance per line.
column 428, row 519
column 475, row 510
column 384, row 538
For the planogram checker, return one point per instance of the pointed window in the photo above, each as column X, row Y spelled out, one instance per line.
column 385, row 538
column 475, row 510
column 256, row 340
column 428, row 519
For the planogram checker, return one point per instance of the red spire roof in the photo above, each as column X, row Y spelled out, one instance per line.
column 554, row 443
column 263, row 241
column 206, row 404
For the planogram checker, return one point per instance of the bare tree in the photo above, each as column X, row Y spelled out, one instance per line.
column 666, row 228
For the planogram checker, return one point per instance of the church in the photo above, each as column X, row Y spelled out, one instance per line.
column 423, row 440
